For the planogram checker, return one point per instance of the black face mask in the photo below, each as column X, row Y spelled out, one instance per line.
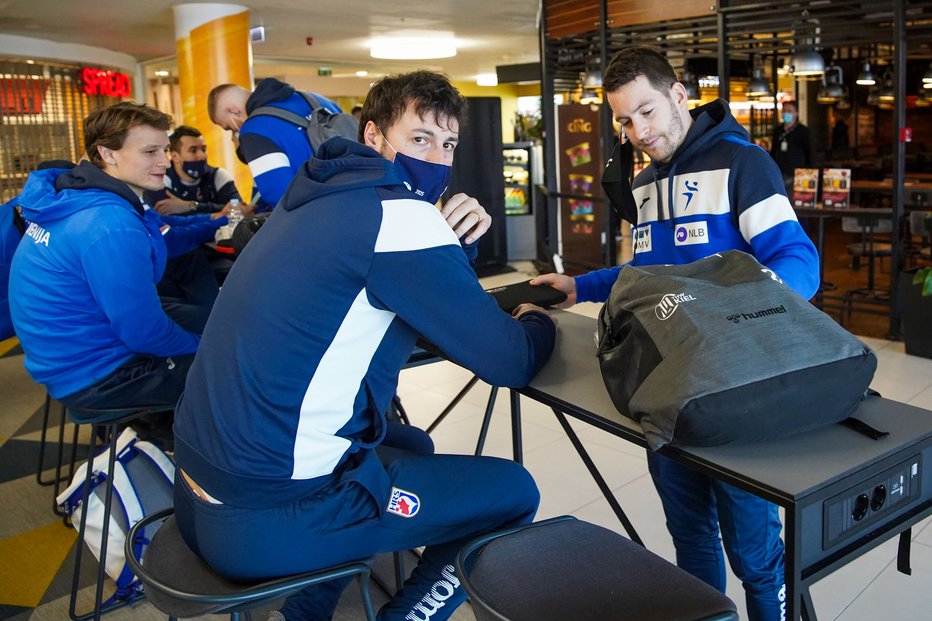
column 616, row 182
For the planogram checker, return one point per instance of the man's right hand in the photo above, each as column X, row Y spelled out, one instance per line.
column 560, row 282
column 527, row 308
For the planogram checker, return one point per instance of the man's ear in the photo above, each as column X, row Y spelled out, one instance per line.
column 106, row 155
column 678, row 94
column 371, row 135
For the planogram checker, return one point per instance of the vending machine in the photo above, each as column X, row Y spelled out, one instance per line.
column 522, row 171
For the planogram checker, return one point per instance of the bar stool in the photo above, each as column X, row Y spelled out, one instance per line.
column 179, row 583
column 40, row 467
column 108, row 420
column 565, row 568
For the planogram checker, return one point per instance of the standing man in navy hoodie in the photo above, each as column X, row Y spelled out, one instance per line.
column 276, row 434
column 707, row 190
column 83, row 282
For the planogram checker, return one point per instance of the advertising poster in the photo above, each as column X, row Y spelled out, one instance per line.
column 805, row 185
column 836, row 187
column 582, row 219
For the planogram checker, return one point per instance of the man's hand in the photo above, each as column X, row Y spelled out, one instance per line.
column 173, row 205
column 560, row 282
column 526, row 308
column 467, row 217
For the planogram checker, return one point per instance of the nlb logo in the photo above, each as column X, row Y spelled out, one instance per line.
column 670, row 302
column 691, row 233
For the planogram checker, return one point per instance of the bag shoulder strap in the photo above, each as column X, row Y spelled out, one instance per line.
column 311, row 100
column 279, row 113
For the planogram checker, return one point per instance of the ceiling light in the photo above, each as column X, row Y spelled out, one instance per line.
column 758, row 86
column 866, row 77
column 807, row 63
column 161, row 73
column 362, row 74
column 833, row 89
column 412, row 48
column 887, row 95
column 487, row 79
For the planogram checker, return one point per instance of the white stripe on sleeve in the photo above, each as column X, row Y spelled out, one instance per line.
column 268, row 162
column 765, row 215
column 412, row 225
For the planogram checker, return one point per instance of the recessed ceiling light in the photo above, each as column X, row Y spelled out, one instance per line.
column 161, row 73
column 487, row 79
column 412, row 48
column 361, row 74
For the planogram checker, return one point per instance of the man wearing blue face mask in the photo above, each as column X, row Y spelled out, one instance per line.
column 281, row 439
column 191, row 185
column 791, row 147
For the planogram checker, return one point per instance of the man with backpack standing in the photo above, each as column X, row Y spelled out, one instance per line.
column 274, row 148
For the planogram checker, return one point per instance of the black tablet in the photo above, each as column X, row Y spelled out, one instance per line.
column 510, row 297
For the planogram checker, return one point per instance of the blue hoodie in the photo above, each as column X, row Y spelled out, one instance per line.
column 274, row 148
column 346, row 273
column 718, row 192
column 82, row 286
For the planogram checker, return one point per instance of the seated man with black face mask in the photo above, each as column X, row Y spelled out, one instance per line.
column 191, row 185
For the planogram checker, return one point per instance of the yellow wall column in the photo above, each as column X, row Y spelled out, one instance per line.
column 213, row 46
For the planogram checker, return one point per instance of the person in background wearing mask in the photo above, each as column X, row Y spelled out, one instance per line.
column 705, row 179
column 791, row 147
column 191, row 185
column 281, row 439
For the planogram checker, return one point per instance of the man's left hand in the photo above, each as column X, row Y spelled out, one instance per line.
column 466, row 217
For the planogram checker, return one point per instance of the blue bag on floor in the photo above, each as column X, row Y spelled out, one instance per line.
column 142, row 484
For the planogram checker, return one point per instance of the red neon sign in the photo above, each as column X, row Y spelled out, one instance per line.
column 103, row 82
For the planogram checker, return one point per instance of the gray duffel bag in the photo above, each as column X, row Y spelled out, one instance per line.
column 720, row 351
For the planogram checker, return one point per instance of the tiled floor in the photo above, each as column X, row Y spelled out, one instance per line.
column 868, row 589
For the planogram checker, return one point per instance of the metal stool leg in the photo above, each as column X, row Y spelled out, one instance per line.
column 110, row 434
column 45, row 428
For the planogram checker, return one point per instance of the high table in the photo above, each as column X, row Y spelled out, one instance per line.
column 870, row 215
column 822, row 478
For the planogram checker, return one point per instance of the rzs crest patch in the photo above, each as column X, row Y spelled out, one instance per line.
column 403, row 503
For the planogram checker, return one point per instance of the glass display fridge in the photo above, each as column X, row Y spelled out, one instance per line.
column 522, row 171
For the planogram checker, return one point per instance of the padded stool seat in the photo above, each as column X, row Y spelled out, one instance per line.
column 565, row 568
column 179, row 583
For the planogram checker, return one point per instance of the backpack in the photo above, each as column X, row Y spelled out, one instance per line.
column 322, row 123
column 142, row 484
column 720, row 350
column 246, row 230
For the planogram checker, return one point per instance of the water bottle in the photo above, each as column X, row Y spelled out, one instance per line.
column 236, row 214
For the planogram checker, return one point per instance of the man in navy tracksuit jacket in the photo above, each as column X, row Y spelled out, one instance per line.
column 707, row 190
column 273, row 148
column 83, row 282
column 276, row 434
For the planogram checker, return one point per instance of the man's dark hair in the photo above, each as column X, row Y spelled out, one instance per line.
column 107, row 127
column 630, row 63
column 174, row 141
column 790, row 102
column 429, row 92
